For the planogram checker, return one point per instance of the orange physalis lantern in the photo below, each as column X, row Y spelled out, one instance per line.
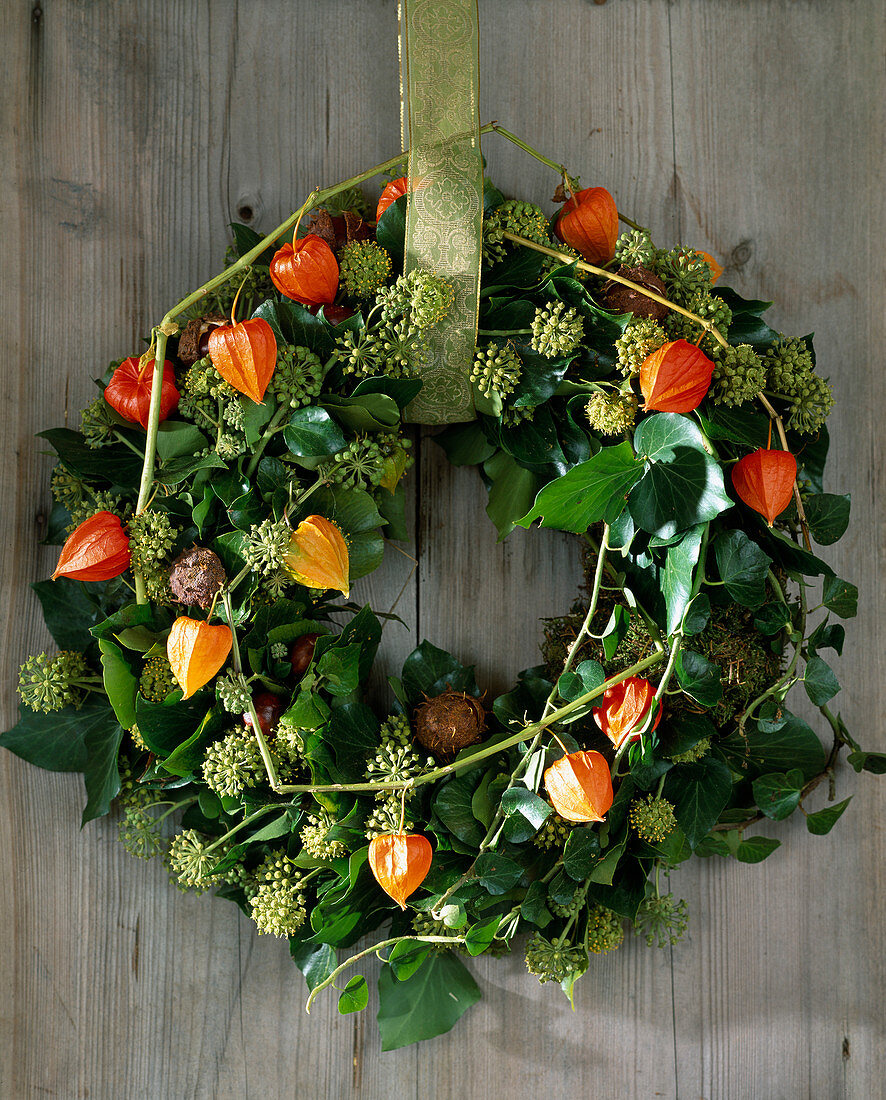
column 196, row 651
column 306, row 271
column 245, row 355
column 96, row 550
column 624, row 709
column 580, row 786
column 396, row 189
column 588, row 223
column 676, row 377
column 129, row 391
column 400, row 863
column 716, row 269
column 318, row 555
column 765, row 481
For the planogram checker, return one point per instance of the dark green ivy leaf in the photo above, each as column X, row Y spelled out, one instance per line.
column 312, row 432
column 699, row 677
column 699, row 793
column 822, row 821
column 427, row 1004
column 841, row 597
column 778, row 793
column 820, row 681
column 743, row 567
column 827, row 516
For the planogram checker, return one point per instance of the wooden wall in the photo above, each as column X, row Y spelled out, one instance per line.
column 133, row 133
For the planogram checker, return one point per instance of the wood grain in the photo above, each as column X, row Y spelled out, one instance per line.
column 134, row 133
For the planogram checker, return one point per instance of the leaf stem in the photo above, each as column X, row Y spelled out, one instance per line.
column 374, row 950
column 265, row 439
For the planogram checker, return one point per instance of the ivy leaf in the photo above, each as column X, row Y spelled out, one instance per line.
column 429, row 671
column 534, row 906
column 873, row 762
column 427, row 1004
column 525, row 813
column 406, row 957
column 827, row 636
column 401, row 390
column 615, row 630
column 293, row 323
column 479, row 936
column 820, row 681
column 822, row 821
column 312, row 432
column 355, row 996
column 497, row 873
column 119, row 681
column 70, row 611
column 465, row 444
column 57, row 741
column 678, row 493
column 582, row 852
column 772, row 618
column 511, row 492
column 699, row 793
column 115, row 465
column 573, row 684
column 697, row 615
column 341, row 667
column 676, row 577
column 793, row 744
column 778, row 794
column 355, row 513
column 743, row 567
column 699, row 677
column 592, row 491
column 841, row 597
column 391, row 229
column 754, row 849
column 373, row 412
column 315, row 960
column 100, row 775
column 661, row 437
column 828, row 516
column 453, row 806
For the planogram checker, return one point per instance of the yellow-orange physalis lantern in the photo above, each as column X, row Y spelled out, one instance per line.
column 196, row 651
column 245, row 355
column 624, row 709
column 676, row 377
column 96, row 550
column 306, row 271
column 588, row 223
column 580, row 786
column 400, row 863
column 765, row 481
column 318, row 555
column 396, row 189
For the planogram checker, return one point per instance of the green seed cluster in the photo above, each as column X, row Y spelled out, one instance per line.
column 289, row 741
column 557, row 329
column 230, row 445
column 497, row 368
column 363, row 267
column 96, row 423
column 278, row 908
column 204, row 394
column 639, row 340
column 395, row 731
column 551, row 961
column 47, row 684
column 298, row 376
column 233, row 764
column 266, row 545
column 571, row 908
column 552, row 263
column 634, row 248
column 315, row 837
column 611, row 413
column 653, row 818
column 188, row 862
column 93, row 501
column 385, row 818
column 395, row 348
column 364, row 462
column 662, row 920
column 739, row 375
column 695, row 753
column 790, row 373
column 684, row 273
column 523, row 218
column 605, row 930
column 232, row 693
column 138, row 830
column 394, row 763
column 157, row 679
column 420, row 297
column 811, row 404
column 151, row 537
column 423, row 924
column 554, row 832
column 513, row 416
column 67, row 489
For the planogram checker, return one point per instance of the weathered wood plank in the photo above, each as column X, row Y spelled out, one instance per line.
column 139, row 133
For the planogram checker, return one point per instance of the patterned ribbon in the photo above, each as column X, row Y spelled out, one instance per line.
column 444, row 219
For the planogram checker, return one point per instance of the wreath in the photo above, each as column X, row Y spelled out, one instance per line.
column 228, row 486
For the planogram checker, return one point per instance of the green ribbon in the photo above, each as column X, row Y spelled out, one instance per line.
column 444, row 220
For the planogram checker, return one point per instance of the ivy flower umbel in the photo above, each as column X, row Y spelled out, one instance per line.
column 233, row 764
column 47, row 684
column 363, row 463
column 653, row 818
column 525, row 219
column 278, row 908
column 156, row 680
column 363, row 267
column 151, row 538
column 394, row 763
column 92, row 502
column 385, row 817
column 189, row 863
column 639, row 340
column 66, row 488
column 553, row 833
column 695, row 753
column 551, row 961
column 634, row 248
column 684, row 273
column 266, row 545
column 557, row 329
column 97, row 423
column 497, row 368
column 611, row 413
column 662, row 920
column 232, row 693
column 605, row 930
column 739, row 375
column 315, row 837
column 298, row 376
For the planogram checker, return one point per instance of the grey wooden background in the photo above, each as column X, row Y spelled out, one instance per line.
column 133, row 133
